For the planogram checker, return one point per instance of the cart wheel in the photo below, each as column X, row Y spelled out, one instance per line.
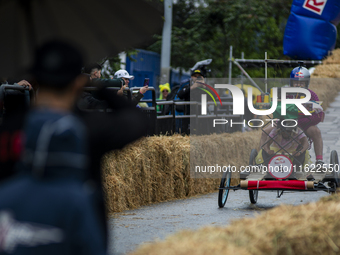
column 334, row 160
column 223, row 193
column 253, row 194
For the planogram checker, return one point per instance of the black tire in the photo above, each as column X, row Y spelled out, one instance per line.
column 253, row 194
column 334, row 161
column 223, row 193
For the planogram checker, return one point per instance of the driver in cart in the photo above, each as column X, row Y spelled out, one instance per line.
column 285, row 138
column 300, row 77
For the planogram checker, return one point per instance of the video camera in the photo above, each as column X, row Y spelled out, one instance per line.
column 202, row 66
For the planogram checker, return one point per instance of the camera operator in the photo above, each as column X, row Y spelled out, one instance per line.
column 191, row 91
column 91, row 99
column 136, row 97
column 197, row 80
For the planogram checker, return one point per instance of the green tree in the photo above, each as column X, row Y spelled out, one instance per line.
column 207, row 31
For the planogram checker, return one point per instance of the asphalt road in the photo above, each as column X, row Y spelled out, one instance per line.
column 150, row 223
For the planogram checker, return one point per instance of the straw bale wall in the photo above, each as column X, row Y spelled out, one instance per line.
column 156, row 169
column 325, row 81
column 326, row 89
column 305, row 229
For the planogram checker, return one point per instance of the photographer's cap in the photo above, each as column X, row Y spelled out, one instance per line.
column 123, row 74
column 197, row 71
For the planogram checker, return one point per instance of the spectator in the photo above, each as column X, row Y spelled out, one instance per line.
column 165, row 90
column 197, row 78
column 46, row 203
column 123, row 74
column 94, row 70
column 105, row 132
column 188, row 91
column 87, row 101
column 20, row 83
column 90, row 99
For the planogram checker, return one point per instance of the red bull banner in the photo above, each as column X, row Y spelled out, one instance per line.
column 311, row 29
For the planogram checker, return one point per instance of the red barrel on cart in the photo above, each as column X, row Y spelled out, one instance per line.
column 274, row 185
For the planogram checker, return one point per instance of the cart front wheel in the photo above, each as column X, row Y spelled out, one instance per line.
column 223, row 193
column 253, row 195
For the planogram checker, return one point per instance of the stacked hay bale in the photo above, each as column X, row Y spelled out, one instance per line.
column 311, row 228
column 325, row 80
column 330, row 67
column 157, row 168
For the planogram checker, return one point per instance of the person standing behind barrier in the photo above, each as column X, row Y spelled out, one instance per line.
column 197, row 78
column 45, row 209
column 127, row 77
column 165, row 90
column 94, row 70
column 90, row 99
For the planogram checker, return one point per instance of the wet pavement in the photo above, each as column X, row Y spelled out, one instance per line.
column 149, row 223
column 155, row 222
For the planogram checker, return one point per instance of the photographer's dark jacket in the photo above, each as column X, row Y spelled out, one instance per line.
column 93, row 100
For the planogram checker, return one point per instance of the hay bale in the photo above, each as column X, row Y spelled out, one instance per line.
column 330, row 67
column 285, row 229
column 325, row 80
column 327, row 71
column 157, row 168
column 223, row 149
column 321, row 82
column 326, row 89
column 190, row 243
column 332, row 59
column 145, row 172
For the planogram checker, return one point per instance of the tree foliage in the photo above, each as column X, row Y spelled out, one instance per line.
column 208, row 30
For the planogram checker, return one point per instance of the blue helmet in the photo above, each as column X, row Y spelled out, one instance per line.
column 300, row 73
